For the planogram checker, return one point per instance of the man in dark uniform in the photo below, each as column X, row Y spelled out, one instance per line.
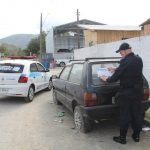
column 130, row 94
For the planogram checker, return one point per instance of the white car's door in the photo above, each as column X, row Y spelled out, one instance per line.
column 44, row 80
column 35, row 76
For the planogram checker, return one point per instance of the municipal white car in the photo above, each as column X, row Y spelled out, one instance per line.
column 23, row 78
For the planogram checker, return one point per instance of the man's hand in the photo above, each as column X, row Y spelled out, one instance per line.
column 103, row 78
column 111, row 69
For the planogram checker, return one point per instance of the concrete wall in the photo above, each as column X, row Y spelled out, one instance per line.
column 140, row 45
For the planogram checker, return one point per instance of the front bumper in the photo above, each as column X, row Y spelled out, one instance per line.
column 107, row 111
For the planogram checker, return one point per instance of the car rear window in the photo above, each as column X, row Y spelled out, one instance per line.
column 95, row 79
column 11, row 68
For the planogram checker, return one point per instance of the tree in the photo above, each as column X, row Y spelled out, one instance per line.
column 20, row 52
column 3, row 50
column 34, row 45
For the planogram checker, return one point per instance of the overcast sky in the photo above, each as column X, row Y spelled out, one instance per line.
column 23, row 16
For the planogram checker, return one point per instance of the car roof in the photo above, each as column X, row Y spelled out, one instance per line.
column 18, row 61
column 102, row 59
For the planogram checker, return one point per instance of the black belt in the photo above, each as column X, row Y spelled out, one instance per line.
column 132, row 86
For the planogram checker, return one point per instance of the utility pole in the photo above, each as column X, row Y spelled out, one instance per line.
column 78, row 32
column 41, row 38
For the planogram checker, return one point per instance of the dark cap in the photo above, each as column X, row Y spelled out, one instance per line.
column 123, row 46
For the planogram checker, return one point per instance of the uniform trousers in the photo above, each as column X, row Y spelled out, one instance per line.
column 130, row 110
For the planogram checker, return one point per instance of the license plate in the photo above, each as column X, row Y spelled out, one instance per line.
column 4, row 90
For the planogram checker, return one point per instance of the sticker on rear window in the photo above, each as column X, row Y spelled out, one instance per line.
column 16, row 68
column 13, row 68
column 6, row 68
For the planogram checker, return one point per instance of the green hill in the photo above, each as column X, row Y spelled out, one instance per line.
column 18, row 40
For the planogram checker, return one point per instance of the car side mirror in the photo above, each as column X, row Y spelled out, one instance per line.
column 54, row 76
column 46, row 70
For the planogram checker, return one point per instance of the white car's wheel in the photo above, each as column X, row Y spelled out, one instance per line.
column 30, row 96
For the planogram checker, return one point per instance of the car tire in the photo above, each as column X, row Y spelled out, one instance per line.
column 30, row 96
column 82, row 124
column 62, row 64
column 50, row 86
column 55, row 100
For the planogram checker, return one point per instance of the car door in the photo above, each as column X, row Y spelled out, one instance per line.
column 43, row 79
column 60, row 84
column 35, row 76
column 74, row 89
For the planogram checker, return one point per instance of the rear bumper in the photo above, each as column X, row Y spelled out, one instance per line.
column 106, row 111
column 14, row 90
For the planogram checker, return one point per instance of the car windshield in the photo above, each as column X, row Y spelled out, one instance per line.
column 11, row 68
column 95, row 68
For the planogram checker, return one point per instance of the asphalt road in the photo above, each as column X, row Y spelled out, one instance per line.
column 37, row 126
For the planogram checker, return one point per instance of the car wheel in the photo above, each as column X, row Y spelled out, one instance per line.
column 50, row 86
column 62, row 64
column 55, row 100
column 82, row 124
column 30, row 96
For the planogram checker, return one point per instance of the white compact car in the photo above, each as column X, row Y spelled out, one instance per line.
column 62, row 62
column 23, row 78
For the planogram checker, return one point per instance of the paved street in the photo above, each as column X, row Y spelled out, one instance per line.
column 37, row 126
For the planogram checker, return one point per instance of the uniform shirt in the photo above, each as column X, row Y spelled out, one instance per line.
column 129, row 71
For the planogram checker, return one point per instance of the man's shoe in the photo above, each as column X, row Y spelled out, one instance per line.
column 136, row 138
column 120, row 139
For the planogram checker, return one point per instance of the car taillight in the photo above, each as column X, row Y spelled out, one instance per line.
column 90, row 99
column 23, row 79
column 146, row 94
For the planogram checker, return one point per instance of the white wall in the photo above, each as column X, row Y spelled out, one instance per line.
column 140, row 46
column 63, row 55
column 50, row 42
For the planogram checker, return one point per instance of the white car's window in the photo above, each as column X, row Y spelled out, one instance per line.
column 11, row 68
column 76, row 73
column 40, row 67
column 65, row 73
column 95, row 79
column 33, row 68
